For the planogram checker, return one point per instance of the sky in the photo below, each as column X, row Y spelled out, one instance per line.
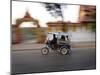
column 38, row 11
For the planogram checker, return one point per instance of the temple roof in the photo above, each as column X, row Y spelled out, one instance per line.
column 27, row 15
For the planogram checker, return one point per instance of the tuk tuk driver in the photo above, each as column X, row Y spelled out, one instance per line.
column 54, row 42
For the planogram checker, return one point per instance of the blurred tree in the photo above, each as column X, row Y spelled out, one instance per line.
column 55, row 10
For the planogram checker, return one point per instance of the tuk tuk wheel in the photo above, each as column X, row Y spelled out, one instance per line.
column 64, row 51
column 45, row 51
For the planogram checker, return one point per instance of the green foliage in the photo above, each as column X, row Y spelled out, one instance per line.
column 94, row 27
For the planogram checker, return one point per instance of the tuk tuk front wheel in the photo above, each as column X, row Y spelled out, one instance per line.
column 45, row 51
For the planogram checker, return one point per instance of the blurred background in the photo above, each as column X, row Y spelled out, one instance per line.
column 32, row 21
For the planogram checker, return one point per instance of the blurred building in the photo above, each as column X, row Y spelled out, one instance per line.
column 60, row 26
column 87, row 16
column 87, row 13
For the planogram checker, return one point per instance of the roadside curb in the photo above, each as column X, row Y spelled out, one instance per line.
column 40, row 46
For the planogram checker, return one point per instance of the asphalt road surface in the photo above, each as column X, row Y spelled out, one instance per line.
column 32, row 61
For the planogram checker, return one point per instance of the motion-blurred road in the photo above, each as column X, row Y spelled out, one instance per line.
column 32, row 61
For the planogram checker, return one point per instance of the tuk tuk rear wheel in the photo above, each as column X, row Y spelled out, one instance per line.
column 64, row 51
column 45, row 51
